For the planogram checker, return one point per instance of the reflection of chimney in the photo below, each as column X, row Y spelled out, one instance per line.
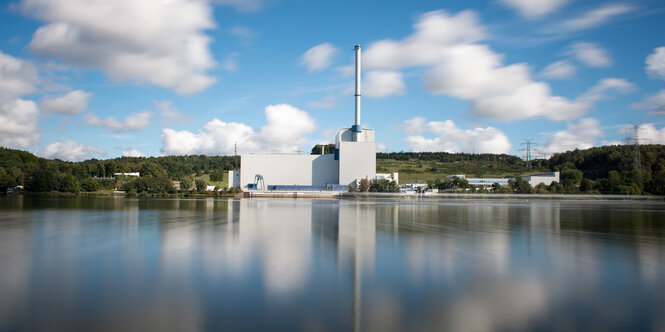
column 356, row 127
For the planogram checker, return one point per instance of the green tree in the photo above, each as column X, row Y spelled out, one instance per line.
column 383, row 185
column 201, row 186
column 364, row 185
column 327, row 148
column 90, row 184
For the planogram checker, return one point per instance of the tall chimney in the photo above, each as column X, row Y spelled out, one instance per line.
column 356, row 127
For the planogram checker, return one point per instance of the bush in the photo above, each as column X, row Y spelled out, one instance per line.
column 90, row 184
column 149, row 185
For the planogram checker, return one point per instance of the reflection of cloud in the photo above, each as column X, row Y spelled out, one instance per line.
column 280, row 232
column 15, row 273
column 508, row 306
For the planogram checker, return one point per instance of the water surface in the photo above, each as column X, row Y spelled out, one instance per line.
column 114, row 264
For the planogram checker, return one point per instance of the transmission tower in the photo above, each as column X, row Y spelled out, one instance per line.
column 235, row 148
column 527, row 151
column 635, row 140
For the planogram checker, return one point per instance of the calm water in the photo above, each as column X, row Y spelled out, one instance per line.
column 115, row 264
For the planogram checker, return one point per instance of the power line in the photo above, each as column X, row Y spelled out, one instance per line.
column 635, row 140
column 528, row 157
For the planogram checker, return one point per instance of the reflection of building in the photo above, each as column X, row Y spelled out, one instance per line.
column 354, row 158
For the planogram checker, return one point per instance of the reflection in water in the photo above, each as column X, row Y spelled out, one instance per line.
column 149, row 264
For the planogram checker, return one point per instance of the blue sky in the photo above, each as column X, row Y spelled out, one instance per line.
column 100, row 79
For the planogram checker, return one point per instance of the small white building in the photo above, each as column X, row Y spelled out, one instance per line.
column 388, row 176
column 234, row 179
column 131, row 174
column 544, row 178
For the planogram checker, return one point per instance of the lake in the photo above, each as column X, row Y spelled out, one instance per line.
column 129, row 264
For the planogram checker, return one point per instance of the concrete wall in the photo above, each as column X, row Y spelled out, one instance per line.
column 277, row 169
column 357, row 160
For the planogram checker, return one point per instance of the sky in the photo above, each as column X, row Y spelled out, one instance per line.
column 84, row 79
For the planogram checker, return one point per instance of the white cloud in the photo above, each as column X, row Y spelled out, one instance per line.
column 168, row 112
column 19, row 118
column 133, row 122
column 132, row 153
column 72, row 103
column 558, row 70
column 457, row 65
column 148, row 41
column 657, row 136
column 230, row 63
column 450, row 138
column 17, row 77
column 383, row 83
column 285, row 130
column 534, row 8
column 581, row 135
column 70, row 150
column 656, row 63
column 654, row 103
column 597, row 17
column 590, row 54
column 319, row 57
column 601, row 89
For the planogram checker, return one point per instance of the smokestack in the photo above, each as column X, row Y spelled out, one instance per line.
column 356, row 127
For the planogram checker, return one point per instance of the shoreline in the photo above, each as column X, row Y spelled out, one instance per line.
column 362, row 196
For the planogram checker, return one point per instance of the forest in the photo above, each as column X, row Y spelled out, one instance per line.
column 600, row 170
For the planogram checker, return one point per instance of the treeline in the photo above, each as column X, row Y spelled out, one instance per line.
column 604, row 170
column 40, row 174
column 611, row 169
column 599, row 170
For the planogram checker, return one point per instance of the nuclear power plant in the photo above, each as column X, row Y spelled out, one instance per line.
column 353, row 159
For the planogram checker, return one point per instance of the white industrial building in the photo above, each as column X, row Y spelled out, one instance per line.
column 533, row 179
column 354, row 158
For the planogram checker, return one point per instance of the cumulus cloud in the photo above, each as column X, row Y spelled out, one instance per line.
column 148, row 41
column 654, row 103
column 132, row 153
column 558, row 70
column 457, row 65
column 450, row 138
column 319, row 57
column 656, row 63
column 590, row 54
column 70, row 150
column 597, row 17
column 285, row 130
column 133, row 122
column 657, row 136
column 19, row 118
column 382, row 83
column 581, row 135
column 534, row 8
column 72, row 103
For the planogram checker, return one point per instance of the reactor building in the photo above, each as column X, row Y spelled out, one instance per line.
column 354, row 158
